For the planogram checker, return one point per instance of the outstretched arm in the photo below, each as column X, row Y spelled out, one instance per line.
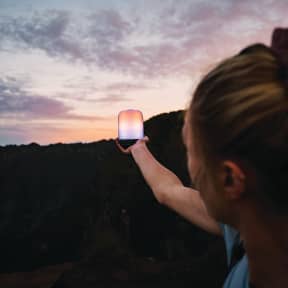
column 169, row 190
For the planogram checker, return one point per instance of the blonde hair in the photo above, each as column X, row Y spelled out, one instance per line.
column 239, row 111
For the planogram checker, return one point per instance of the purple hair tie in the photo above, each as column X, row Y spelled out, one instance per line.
column 279, row 45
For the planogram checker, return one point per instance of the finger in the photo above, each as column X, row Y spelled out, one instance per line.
column 119, row 145
column 146, row 139
column 126, row 151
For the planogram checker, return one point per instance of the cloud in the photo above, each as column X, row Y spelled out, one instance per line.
column 15, row 103
column 101, row 39
column 46, row 31
column 112, row 98
column 107, row 99
column 169, row 40
column 108, row 27
column 126, row 86
column 89, row 84
column 92, row 93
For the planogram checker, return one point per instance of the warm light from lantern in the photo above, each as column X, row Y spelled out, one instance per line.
column 130, row 125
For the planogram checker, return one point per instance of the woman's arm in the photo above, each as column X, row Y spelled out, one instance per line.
column 169, row 190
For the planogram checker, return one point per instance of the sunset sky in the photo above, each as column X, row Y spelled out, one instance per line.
column 68, row 67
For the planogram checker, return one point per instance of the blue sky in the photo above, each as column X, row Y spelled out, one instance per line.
column 68, row 67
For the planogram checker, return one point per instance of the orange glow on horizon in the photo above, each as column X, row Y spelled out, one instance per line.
column 77, row 135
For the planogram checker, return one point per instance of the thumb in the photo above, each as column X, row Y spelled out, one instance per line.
column 146, row 139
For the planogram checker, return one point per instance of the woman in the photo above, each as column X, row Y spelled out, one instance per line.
column 236, row 135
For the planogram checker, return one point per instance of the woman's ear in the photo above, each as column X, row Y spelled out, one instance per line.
column 233, row 180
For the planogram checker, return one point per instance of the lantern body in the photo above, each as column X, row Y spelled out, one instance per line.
column 130, row 127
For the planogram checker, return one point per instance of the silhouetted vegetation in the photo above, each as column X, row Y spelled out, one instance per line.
column 79, row 202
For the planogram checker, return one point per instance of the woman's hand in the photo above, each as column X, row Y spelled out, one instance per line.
column 140, row 143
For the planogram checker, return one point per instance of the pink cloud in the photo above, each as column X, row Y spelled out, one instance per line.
column 15, row 103
column 189, row 34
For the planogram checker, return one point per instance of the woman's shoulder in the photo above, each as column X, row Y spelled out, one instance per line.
column 231, row 238
column 238, row 276
column 229, row 232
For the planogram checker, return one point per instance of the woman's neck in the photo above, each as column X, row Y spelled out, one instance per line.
column 266, row 244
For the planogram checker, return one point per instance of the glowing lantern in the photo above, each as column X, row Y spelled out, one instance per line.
column 130, row 127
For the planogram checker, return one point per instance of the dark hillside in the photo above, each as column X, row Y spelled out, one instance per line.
column 69, row 202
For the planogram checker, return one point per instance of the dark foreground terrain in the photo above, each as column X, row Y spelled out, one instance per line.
column 81, row 215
